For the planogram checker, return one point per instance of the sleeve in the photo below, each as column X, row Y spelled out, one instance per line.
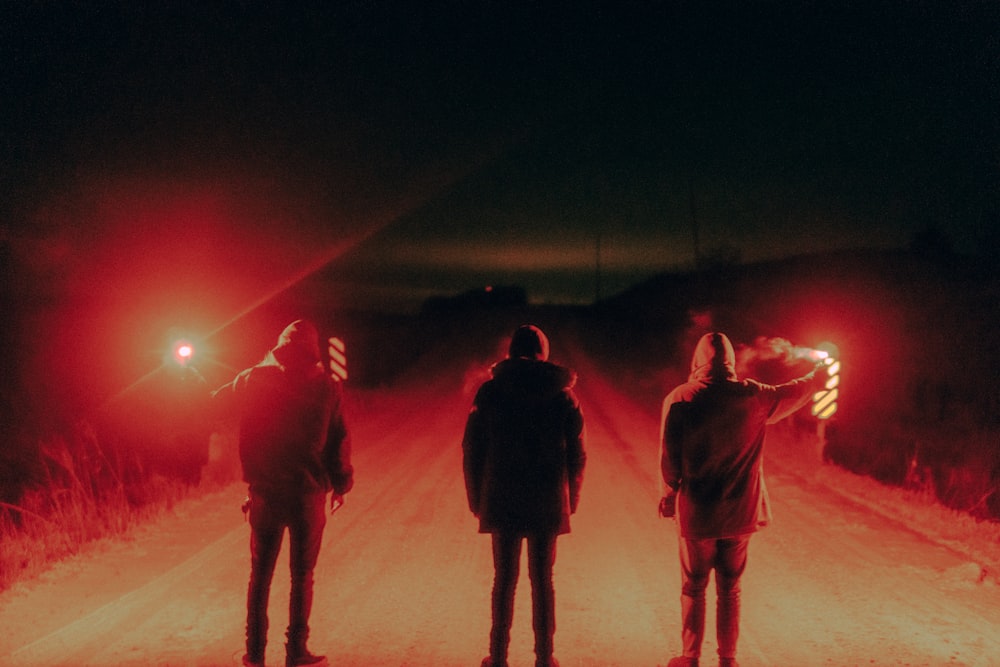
column 337, row 454
column 473, row 457
column 225, row 400
column 199, row 407
column 791, row 396
column 670, row 445
column 576, row 454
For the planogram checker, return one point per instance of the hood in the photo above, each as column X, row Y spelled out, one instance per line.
column 531, row 379
column 298, row 346
column 529, row 342
column 714, row 359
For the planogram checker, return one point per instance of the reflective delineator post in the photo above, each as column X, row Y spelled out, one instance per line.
column 825, row 401
column 338, row 358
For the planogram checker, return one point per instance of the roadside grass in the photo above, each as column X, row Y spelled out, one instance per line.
column 84, row 492
column 50, row 525
column 917, row 503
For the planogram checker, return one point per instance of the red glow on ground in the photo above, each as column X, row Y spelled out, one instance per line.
column 175, row 594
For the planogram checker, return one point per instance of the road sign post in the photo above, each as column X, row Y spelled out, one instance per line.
column 338, row 358
column 825, row 401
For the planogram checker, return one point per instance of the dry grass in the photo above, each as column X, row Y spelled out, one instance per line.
column 919, row 507
column 84, row 495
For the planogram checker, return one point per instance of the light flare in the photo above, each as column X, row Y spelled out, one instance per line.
column 183, row 352
column 430, row 191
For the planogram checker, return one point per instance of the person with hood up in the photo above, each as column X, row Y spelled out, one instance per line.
column 523, row 458
column 294, row 449
column 712, row 440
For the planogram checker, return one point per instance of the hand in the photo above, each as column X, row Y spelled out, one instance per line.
column 668, row 505
column 336, row 502
column 821, row 373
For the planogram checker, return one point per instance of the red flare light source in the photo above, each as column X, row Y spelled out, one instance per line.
column 821, row 352
column 816, row 355
column 183, row 352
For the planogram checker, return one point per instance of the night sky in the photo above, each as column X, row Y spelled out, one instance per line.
column 411, row 149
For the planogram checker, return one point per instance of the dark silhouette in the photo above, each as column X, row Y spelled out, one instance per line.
column 294, row 448
column 178, row 412
column 712, row 443
column 523, row 457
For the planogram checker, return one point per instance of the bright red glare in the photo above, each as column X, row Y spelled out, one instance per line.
column 828, row 349
column 814, row 354
column 183, row 353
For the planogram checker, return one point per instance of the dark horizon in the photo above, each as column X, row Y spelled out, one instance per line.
column 501, row 146
column 179, row 167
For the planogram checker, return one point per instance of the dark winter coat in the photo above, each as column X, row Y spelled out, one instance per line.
column 293, row 438
column 712, row 441
column 523, row 450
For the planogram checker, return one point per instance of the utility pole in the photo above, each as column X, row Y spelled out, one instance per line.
column 694, row 222
column 597, row 267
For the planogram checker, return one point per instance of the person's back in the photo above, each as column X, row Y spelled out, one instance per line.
column 712, row 442
column 713, row 439
column 529, row 419
column 523, row 459
column 719, row 459
column 283, row 429
column 294, row 448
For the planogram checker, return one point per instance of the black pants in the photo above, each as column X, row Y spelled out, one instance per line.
column 305, row 518
column 506, row 566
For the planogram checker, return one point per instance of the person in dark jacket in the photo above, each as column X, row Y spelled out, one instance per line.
column 294, row 449
column 523, row 457
column 712, row 441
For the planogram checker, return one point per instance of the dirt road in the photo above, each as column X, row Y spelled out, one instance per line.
column 404, row 578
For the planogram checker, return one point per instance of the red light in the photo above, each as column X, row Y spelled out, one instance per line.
column 817, row 355
column 821, row 352
column 829, row 350
column 183, row 352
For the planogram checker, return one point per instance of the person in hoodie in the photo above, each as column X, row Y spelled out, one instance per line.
column 712, row 441
column 294, row 449
column 523, row 458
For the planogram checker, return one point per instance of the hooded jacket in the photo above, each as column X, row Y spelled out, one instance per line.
column 712, row 440
column 523, row 451
column 293, row 438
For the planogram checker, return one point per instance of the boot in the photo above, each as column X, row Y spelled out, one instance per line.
column 683, row 661
column 249, row 661
column 488, row 661
column 303, row 658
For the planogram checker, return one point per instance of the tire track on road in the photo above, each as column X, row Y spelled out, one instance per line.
column 84, row 638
